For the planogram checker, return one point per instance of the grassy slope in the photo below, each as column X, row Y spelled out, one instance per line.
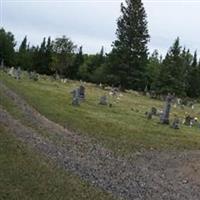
column 25, row 175
column 119, row 128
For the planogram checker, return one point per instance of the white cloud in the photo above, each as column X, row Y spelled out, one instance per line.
column 93, row 23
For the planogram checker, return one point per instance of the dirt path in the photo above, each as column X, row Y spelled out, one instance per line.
column 147, row 176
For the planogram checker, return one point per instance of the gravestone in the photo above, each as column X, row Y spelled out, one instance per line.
column 194, row 122
column 11, row 72
column 57, row 77
column 18, row 73
column 82, row 92
column 146, row 90
column 2, row 65
column 153, row 94
column 188, row 119
column 113, row 92
column 33, row 76
column 164, row 119
column 176, row 123
column 75, row 97
column 103, row 100
column 149, row 115
column 154, row 111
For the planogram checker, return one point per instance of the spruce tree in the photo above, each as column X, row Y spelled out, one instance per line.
column 23, row 56
column 78, row 61
column 172, row 72
column 153, row 69
column 7, row 44
column 129, row 54
column 193, row 89
column 49, row 55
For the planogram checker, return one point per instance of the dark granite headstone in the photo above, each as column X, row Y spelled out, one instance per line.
column 188, row 119
column 164, row 119
column 82, row 92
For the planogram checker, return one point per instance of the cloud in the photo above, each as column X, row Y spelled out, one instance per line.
column 93, row 23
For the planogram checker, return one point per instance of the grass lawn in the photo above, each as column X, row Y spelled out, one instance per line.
column 120, row 128
column 27, row 176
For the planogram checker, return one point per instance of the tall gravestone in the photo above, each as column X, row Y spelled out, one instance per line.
column 18, row 73
column 164, row 119
column 82, row 92
column 11, row 72
column 75, row 97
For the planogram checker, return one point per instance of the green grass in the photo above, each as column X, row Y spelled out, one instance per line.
column 25, row 175
column 119, row 128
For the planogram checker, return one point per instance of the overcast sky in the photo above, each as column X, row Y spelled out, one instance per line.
column 92, row 23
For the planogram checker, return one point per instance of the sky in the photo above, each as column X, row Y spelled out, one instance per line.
column 92, row 23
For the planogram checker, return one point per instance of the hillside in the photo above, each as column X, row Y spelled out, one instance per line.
column 113, row 148
column 122, row 128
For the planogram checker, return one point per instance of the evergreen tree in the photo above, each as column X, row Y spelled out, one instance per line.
column 63, row 55
column 23, row 55
column 49, row 56
column 90, row 70
column 187, row 58
column 193, row 89
column 153, row 70
column 78, row 61
column 172, row 72
column 129, row 54
column 7, row 44
column 44, row 57
column 40, row 64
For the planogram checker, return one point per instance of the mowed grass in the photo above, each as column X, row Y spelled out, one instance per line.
column 25, row 175
column 122, row 128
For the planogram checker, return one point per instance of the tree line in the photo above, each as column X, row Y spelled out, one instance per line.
column 129, row 64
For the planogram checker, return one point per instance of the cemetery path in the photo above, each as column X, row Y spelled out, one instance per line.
column 144, row 176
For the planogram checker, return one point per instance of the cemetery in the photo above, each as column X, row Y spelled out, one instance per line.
column 99, row 100
column 125, row 124
column 137, row 118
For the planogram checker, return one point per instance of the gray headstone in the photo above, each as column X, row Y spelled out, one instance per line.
column 18, row 73
column 164, row 119
column 75, row 97
column 103, row 100
column 33, row 76
column 11, row 72
column 176, row 123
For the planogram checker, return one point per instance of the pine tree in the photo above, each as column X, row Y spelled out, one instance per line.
column 193, row 89
column 129, row 54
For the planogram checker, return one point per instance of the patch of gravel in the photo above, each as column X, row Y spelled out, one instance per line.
column 146, row 176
